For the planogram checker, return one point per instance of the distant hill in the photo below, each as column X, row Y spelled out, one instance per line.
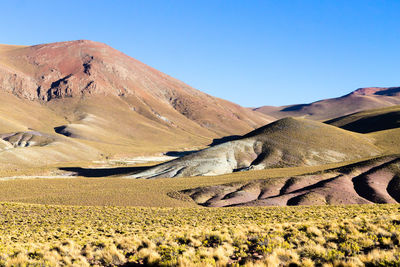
column 369, row 120
column 358, row 100
column 109, row 101
column 285, row 143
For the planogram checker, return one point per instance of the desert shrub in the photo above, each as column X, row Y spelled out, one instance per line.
column 292, row 236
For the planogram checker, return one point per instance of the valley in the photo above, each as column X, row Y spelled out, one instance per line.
column 105, row 161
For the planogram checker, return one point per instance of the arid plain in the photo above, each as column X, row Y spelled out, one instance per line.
column 107, row 161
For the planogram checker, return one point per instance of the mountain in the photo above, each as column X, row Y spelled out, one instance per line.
column 358, row 100
column 106, row 100
column 287, row 142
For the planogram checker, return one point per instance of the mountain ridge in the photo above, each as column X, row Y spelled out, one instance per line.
column 325, row 109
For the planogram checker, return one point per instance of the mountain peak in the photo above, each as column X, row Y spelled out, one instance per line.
column 66, row 69
column 387, row 91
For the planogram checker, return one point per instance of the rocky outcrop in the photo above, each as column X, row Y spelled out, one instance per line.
column 26, row 139
column 18, row 83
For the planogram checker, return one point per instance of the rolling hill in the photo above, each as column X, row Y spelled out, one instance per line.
column 370, row 120
column 285, row 143
column 374, row 180
column 380, row 124
column 358, row 100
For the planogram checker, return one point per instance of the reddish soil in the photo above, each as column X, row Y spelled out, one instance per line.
column 358, row 100
column 367, row 182
column 80, row 69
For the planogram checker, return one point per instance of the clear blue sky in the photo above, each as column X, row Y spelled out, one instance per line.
column 250, row 52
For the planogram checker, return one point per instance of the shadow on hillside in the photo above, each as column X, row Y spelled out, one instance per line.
column 225, row 139
column 100, row 172
column 393, row 91
column 180, row 153
column 380, row 122
column 295, row 107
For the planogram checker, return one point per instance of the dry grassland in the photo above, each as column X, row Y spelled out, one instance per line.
column 131, row 192
column 111, row 236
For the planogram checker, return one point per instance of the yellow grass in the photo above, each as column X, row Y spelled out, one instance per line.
column 389, row 140
column 66, row 235
column 365, row 114
column 6, row 47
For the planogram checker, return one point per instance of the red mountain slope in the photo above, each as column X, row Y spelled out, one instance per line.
column 97, row 95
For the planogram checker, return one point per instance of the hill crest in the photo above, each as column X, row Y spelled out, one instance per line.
column 358, row 100
column 388, row 91
column 289, row 142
